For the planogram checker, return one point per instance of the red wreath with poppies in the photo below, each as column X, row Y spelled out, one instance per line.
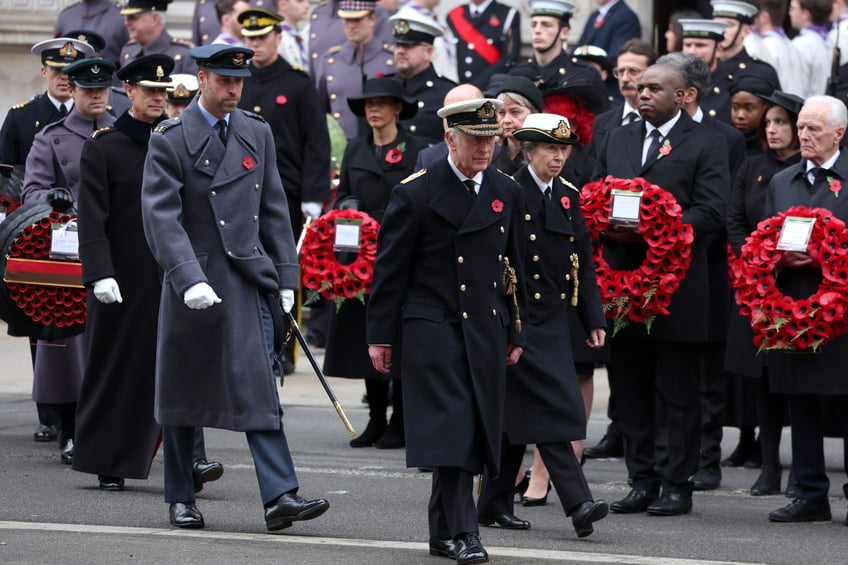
column 8, row 205
column 644, row 293
column 323, row 274
column 779, row 321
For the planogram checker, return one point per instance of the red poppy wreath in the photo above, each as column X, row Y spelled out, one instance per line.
column 323, row 274
column 644, row 293
column 779, row 321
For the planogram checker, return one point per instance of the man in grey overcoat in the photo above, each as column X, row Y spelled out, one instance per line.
column 216, row 218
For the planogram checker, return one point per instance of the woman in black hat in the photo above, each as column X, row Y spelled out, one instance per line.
column 748, row 107
column 371, row 167
column 520, row 98
column 780, row 135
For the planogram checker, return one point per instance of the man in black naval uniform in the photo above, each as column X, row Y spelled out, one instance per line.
column 488, row 37
column 414, row 34
column 26, row 119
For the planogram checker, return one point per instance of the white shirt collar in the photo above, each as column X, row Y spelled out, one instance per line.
column 604, row 10
column 699, row 115
column 665, row 128
column 827, row 164
column 542, row 186
column 626, row 108
column 474, row 9
column 478, row 178
column 69, row 103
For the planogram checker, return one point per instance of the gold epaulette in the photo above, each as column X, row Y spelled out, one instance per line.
column 334, row 49
column 24, row 103
column 185, row 42
column 99, row 131
column 414, row 176
column 299, row 69
column 569, row 185
column 512, row 178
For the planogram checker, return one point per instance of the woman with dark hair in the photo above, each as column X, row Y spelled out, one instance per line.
column 779, row 133
column 371, row 167
column 748, row 107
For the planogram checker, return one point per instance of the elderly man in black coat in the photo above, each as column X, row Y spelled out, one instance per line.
column 806, row 377
column 661, row 368
column 449, row 254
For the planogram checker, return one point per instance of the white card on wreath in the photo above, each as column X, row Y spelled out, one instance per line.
column 347, row 235
column 64, row 241
column 795, row 233
column 625, row 206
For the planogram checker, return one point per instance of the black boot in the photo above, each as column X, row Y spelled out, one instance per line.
column 373, row 431
column 768, row 482
column 393, row 437
column 743, row 450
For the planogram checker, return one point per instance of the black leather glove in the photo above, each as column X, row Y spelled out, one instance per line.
column 348, row 202
column 59, row 199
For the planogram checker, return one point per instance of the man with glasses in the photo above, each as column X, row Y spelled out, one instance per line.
column 414, row 34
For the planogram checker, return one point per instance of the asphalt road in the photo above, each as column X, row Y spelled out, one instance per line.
column 50, row 514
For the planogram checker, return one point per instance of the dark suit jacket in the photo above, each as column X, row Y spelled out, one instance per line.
column 620, row 25
column 438, row 278
column 604, row 122
column 696, row 173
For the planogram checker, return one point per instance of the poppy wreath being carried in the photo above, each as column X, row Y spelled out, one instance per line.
column 642, row 294
column 779, row 321
column 7, row 205
column 323, row 274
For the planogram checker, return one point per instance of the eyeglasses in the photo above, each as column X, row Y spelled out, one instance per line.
column 634, row 72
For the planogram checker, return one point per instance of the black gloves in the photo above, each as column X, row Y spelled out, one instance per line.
column 59, row 199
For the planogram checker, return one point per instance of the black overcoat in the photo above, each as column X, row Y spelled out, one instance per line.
column 544, row 404
column 369, row 179
column 695, row 171
column 439, row 280
column 116, row 433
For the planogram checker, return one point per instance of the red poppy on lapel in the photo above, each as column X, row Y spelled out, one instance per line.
column 494, row 21
column 497, row 206
column 835, row 186
column 281, row 99
column 665, row 148
column 760, row 178
column 566, row 203
column 247, row 163
column 599, row 22
column 395, row 155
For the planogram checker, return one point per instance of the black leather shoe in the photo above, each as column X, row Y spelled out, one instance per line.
column 768, row 482
column 586, row 513
column 527, row 501
column 185, row 515
column 708, row 478
column 506, row 521
column 443, row 548
column 671, row 503
column 800, row 510
column 469, row 550
column 289, row 507
column 204, row 472
column 373, row 431
column 110, row 483
column 68, row 452
column 607, row 447
column 45, row 433
column 637, row 500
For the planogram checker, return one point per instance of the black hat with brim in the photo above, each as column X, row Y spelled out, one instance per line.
column 91, row 37
column 523, row 86
column 223, row 60
column 153, row 71
column 584, row 83
column 476, row 117
column 90, row 73
column 383, row 87
column 789, row 102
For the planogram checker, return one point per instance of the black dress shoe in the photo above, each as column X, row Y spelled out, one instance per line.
column 586, row 513
column 373, row 431
column 45, row 433
column 506, row 521
column 671, row 503
column 185, row 515
column 800, row 510
column 110, row 483
column 68, row 452
column 637, row 500
column 204, row 472
column 469, row 550
column 607, row 447
column 768, row 482
column 527, row 501
column 708, row 478
column 522, row 484
column 443, row 548
column 393, row 437
column 289, row 507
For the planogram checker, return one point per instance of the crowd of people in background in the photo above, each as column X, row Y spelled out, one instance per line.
column 469, row 144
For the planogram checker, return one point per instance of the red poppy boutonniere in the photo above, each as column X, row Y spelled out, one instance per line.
column 247, row 163
column 497, row 206
column 665, row 148
column 760, row 178
column 281, row 99
column 566, row 203
column 834, row 185
column 599, row 22
column 396, row 155
column 494, row 21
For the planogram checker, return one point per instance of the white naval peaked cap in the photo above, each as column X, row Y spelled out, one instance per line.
column 709, row 29
column 412, row 27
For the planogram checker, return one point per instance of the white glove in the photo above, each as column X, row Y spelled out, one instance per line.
column 311, row 209
column 107, row 291
column 200, row 296
column 287, row 298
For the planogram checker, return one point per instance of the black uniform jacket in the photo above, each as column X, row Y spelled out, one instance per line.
column 429, row 89
column 439, row 278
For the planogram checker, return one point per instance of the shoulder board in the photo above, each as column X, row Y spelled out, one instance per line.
column 99, row 131
column 25, row 103
column 299, row 69
column 334, row 49
column 507, row 176
column 253, row 115
column 414, row 176
column 165, row 125
column 186, row 42
column 569, row 185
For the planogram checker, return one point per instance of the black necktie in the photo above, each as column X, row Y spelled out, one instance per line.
column 469, row 184
column 632, row 117
column 654, row 148
column 63, row 111
column 813, row 174
column 222, row 131
column 548, row 193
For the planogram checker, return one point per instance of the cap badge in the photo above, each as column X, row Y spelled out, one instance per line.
column 486, row 111
column 402, row 27
column 160, row 72
column 68, row 50
column 95, row 69
column 181, row 91
column 238, row 59
column 254, row 21
column 563, row 130
column 82, row 37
